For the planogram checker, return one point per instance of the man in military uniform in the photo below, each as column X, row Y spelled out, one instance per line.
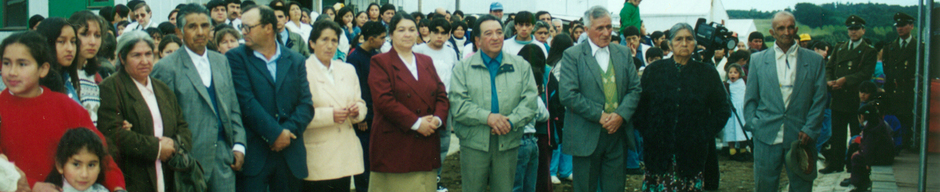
column 852, row 63
column 900, row 69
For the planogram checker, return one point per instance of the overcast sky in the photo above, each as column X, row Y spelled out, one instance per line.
column 783, row 4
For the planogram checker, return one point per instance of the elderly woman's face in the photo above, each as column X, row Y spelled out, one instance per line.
column 139, row 61
column 682, row 44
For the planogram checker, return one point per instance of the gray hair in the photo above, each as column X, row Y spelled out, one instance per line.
column 676, row 28
column 127, row 41
column 556, row 21
column 187, row 9
column 541, row 24
column 781, row 14
column 594, row 13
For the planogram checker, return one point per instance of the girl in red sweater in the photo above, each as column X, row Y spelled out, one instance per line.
column 33, row 117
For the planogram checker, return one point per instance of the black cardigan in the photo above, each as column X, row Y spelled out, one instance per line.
column 680, row 110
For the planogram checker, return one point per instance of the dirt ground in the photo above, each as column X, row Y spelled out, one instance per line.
column 735, row 176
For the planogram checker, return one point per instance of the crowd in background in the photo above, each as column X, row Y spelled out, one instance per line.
column 234, row 96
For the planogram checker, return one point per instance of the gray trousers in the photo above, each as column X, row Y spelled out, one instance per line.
column 222, row 177
column 604, row 168
column 496, row 169
column 768, row 162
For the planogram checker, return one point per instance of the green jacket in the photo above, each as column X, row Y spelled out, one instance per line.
column 470, row 100
column 629, row 16
column 296, row 43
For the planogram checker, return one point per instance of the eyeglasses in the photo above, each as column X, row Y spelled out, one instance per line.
column 247, row 29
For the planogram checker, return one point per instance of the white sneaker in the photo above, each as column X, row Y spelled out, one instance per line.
column 555, row 180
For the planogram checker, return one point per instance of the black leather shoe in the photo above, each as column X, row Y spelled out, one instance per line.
column 829, row 170
column 846, row 182
column 861, row 189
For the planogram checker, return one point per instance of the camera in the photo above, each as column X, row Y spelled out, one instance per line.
column 714, row 35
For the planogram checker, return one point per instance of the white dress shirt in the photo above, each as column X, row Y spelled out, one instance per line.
column 326, row 71
column 786, row 75
column 602, row 55
column 146, row 91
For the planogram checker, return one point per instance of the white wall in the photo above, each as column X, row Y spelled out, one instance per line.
column 161, row 8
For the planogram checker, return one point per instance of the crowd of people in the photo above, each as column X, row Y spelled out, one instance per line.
column 234, row 96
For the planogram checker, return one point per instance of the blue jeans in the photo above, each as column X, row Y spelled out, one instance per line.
column 561, row 164
column 826, row 131
column 635, row 156
column 445, row 147
column 527, row 166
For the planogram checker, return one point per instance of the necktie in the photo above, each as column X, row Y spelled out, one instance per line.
column 903, row 43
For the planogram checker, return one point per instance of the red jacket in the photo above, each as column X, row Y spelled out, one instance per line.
column 398, row 101
column 32, row 128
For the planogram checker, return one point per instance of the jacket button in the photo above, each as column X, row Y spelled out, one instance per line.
column 418, row 112
column 408, row 95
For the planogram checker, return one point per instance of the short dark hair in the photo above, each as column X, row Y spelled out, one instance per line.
column 438, row 22
column 397, row 19
column 540, row 13
column 318, row 28
column 177, row 11
column 631, row 31
column 524, row 17
column 167, row 40
column 458, row 12
column 35, row 19
column 121, row 10
column 867, row 87
column 417, row 15
column 372, row 29
column 387, row 7
column 122, row 23
column 755, row 35
column 216, row 3
column 292, row 3
column 657, row 34
column 738, row 55
column 190, row 8
column 455, row 24
column 107, row 12
column 274, row 2
column 248, row 3
column 282, row 9
column 267, row 16
column 167, row 28
column 239, row 2
column 653, row 52
column 477, row 32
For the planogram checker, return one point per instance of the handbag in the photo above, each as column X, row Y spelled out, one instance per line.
column 188, row 173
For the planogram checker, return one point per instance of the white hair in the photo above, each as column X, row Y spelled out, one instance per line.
column 594, row 13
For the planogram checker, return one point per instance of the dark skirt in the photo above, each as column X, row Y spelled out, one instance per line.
column 670, row 181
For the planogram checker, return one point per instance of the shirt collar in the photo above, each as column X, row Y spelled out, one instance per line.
column 908, row 39
column 324, row 67
column 487, row 60
column 194, row 55
column 141, row 86
column 790, row 52
column 277, row 54
column 595, row 48
column 284, row 35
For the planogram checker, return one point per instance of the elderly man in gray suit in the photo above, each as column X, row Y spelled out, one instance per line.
column 600, row 88
column 784, row 102
column 202, row 80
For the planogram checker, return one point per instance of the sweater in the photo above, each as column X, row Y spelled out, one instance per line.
column 32, row 128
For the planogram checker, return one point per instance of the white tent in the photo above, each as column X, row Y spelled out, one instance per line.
column 661, row 15
column 742, row 26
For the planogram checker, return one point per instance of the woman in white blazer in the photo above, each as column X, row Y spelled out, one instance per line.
column 333, row 150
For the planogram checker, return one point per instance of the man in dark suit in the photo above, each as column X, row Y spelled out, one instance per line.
column 272, row 89
column 783, row 104
column 204, row 79
column 900, row 66
column 600, row 87
column 851, row 63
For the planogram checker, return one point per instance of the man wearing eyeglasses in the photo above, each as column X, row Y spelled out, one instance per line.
column 273, row 93
column 142, row 13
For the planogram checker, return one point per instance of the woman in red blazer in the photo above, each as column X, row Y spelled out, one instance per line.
column 409, row 105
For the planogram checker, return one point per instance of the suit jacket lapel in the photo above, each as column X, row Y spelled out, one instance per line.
column 260, row 65
column 621, row 68
column 167, row 114
column 195, row 79
column 283, row 64
column 593, row 66
column 770, row 63
column 137, row 103
column 323, row 84
column 801, row 73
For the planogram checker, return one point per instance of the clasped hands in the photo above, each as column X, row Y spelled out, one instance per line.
column 429, row 125
column 611, row 122
column 836, row 84
column 498, row 123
